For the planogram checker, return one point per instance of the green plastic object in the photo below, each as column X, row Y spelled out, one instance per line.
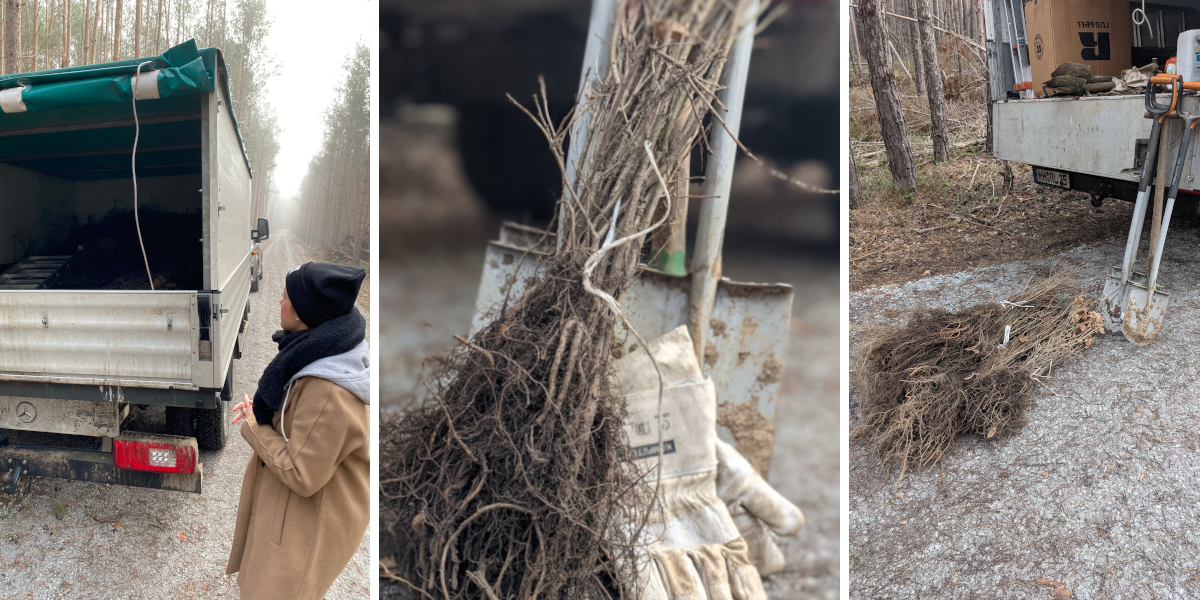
column 671, row 263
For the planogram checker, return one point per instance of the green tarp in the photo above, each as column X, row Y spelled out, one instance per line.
column 55, row 106
column 182, row 71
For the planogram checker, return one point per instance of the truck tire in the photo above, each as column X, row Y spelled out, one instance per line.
column 253, row 284
column 179, row 421
column 212, row 426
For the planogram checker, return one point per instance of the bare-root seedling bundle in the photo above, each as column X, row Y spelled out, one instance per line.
column 950, row 374
column 515, row 480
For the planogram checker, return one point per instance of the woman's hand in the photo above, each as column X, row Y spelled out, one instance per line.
column 243, row 409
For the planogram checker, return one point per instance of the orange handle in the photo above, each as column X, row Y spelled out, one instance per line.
column 1168, row 79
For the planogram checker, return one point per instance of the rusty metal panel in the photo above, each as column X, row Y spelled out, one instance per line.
column 74, row 417
column 103, row 338
column 747, row 332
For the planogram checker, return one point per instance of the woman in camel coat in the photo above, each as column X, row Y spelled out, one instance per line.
column 305, row 500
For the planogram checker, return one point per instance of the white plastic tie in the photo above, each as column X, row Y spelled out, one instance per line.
column 145, row 85
column 10, row 100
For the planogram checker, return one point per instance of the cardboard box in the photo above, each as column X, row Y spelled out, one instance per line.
column 1092, row 32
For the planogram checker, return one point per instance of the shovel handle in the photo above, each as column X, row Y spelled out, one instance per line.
column 1160, row 243
column 1167, row 79
column 1160, row 111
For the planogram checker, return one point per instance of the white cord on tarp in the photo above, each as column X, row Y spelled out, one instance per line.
column 137, row 130
column 1144, row 20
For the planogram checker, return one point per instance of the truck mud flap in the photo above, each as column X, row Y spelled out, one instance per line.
column 93, row 466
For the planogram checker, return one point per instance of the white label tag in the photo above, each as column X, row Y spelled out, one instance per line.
column 687, row 420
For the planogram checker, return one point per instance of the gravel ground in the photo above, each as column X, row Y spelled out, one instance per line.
column 70, row 539
column 1097, row 493
column 429, row 295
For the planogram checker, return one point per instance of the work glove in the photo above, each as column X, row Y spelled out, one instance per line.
column 694, row 550
column 757, row 509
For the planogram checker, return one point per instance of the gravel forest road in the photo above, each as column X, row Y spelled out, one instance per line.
column 70, row 539
column 1097, row 492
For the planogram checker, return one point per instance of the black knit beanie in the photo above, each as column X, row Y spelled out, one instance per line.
column 323, row 291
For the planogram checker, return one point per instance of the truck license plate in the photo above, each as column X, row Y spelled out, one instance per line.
column 1054, row 178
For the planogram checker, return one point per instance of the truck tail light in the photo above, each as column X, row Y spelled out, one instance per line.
column 157, row 457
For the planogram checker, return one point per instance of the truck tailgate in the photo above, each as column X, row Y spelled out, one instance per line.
column 106, row 338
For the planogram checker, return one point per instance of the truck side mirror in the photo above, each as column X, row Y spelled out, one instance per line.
column 264, row 231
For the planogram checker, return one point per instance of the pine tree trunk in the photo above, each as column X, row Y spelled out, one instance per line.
column 137, row 29
column 36, row 27
column 887, row 99
column 855, row 187
column 117, row 33
column 94, row 34
column 937, row 98
column 918, row 62
column 50, row 36
column 86, row 45
column 12, row 36
column 66, row 35
column 855, row 48
column 158, row 18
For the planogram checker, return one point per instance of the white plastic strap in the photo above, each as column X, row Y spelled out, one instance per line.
column 10, row 100
column 145, row 85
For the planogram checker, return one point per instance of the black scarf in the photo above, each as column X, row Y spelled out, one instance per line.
column 297, row 350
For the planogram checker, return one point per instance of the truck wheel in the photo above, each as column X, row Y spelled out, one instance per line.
column 253, row 284
column 179, row 421
column 212, row 426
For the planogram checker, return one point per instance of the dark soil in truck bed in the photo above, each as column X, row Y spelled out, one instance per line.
column 110, row 257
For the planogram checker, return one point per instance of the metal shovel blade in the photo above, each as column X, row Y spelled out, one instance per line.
column 1142, row 323
column 1112, row 307
column 748, row 332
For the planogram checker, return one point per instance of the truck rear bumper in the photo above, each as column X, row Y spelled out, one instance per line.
column 93, row 466
column 202, row 398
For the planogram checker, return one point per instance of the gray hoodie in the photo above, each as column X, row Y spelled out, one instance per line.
column 350, row 370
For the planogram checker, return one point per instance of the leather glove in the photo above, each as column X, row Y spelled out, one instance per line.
column 694, row 550
column 757, row 509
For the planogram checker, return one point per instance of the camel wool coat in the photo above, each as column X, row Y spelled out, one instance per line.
column 305, row 502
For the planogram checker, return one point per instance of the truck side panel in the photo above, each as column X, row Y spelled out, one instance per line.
column 233, row 235
column 226, row 214
column 104, row 338
column 1096, row 136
